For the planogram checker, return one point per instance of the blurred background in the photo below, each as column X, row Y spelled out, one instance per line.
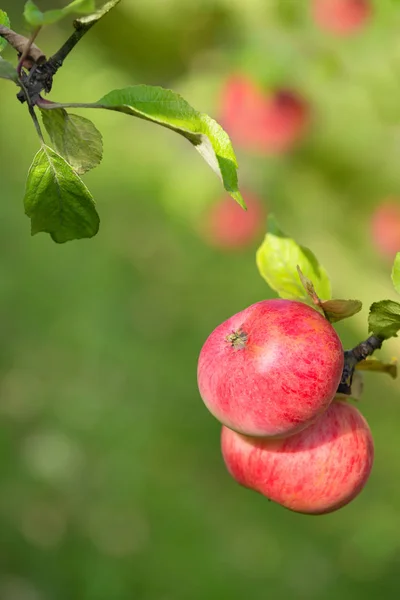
column 111, row 481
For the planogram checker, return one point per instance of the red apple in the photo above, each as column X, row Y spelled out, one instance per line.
column 316, row 471
column 341, row 17
column 228, row 226
column 385, row 228
column 265, row 123
column 271, row 369
column 283, row 121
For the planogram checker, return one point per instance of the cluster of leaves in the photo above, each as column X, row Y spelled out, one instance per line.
column 56, row 199
column 294, row 272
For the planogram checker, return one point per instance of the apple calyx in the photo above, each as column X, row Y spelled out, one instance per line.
column 237, row 339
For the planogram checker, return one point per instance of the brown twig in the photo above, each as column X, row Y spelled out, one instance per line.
column 20, row 43
column 26, row 50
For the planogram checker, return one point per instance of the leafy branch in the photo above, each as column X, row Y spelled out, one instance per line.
column 56, row 199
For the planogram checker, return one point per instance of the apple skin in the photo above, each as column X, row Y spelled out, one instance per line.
column 263, row 123
column 341, row 17
column 271, row 369
column 316, row 471
column 385, row 228
column 228, row 226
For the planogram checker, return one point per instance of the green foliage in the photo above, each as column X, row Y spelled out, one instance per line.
column 57, row 201
column 7, row 71
column 4, row 20
column 384, row 318
column 278, row 259
column 75, row 138
column 36, row 18
column 170, row 110
column 396, row 273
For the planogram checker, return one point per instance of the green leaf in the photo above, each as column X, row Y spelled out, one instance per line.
column 4, row 20
column 89, row 20
column 377, row 366
column 170, row 110
column 396, row 273
column 35, row 17
column 384, row 318
column 75, row 138
column 277, row 260
column 7, row 71
column 57, row 201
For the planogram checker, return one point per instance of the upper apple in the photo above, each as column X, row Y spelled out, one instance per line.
column 267, row 123
column 341, row 17
column 271, row 369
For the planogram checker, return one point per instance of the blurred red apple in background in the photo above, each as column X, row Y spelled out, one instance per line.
column 265, row 123
column 385, row 228
column 228, row 226
column 271, row 369
column 316, row 471
column 341, row 17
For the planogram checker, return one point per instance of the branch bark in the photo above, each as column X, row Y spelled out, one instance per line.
column 355, row 356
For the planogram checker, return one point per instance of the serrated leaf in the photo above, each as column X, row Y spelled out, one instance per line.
column 4, row 20
column 57, row 201
column 166, row 108
column 377, row 366
column 396, row 273
column 35, row 17
column 277, row 260
column 89, row 20
column 75, row 138
column 384, row 319
column 7, row 71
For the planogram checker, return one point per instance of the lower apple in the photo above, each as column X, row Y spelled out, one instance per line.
column 316, row 471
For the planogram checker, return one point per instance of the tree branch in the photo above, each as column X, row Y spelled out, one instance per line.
column 355, row 356
column 56, row 61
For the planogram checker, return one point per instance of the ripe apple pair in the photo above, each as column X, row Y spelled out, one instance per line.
column 270, row 374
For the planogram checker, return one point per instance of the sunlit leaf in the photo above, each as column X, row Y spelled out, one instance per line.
column 170, row 110
column 277, row 260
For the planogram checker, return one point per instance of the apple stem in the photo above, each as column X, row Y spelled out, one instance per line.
column 353, row 357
